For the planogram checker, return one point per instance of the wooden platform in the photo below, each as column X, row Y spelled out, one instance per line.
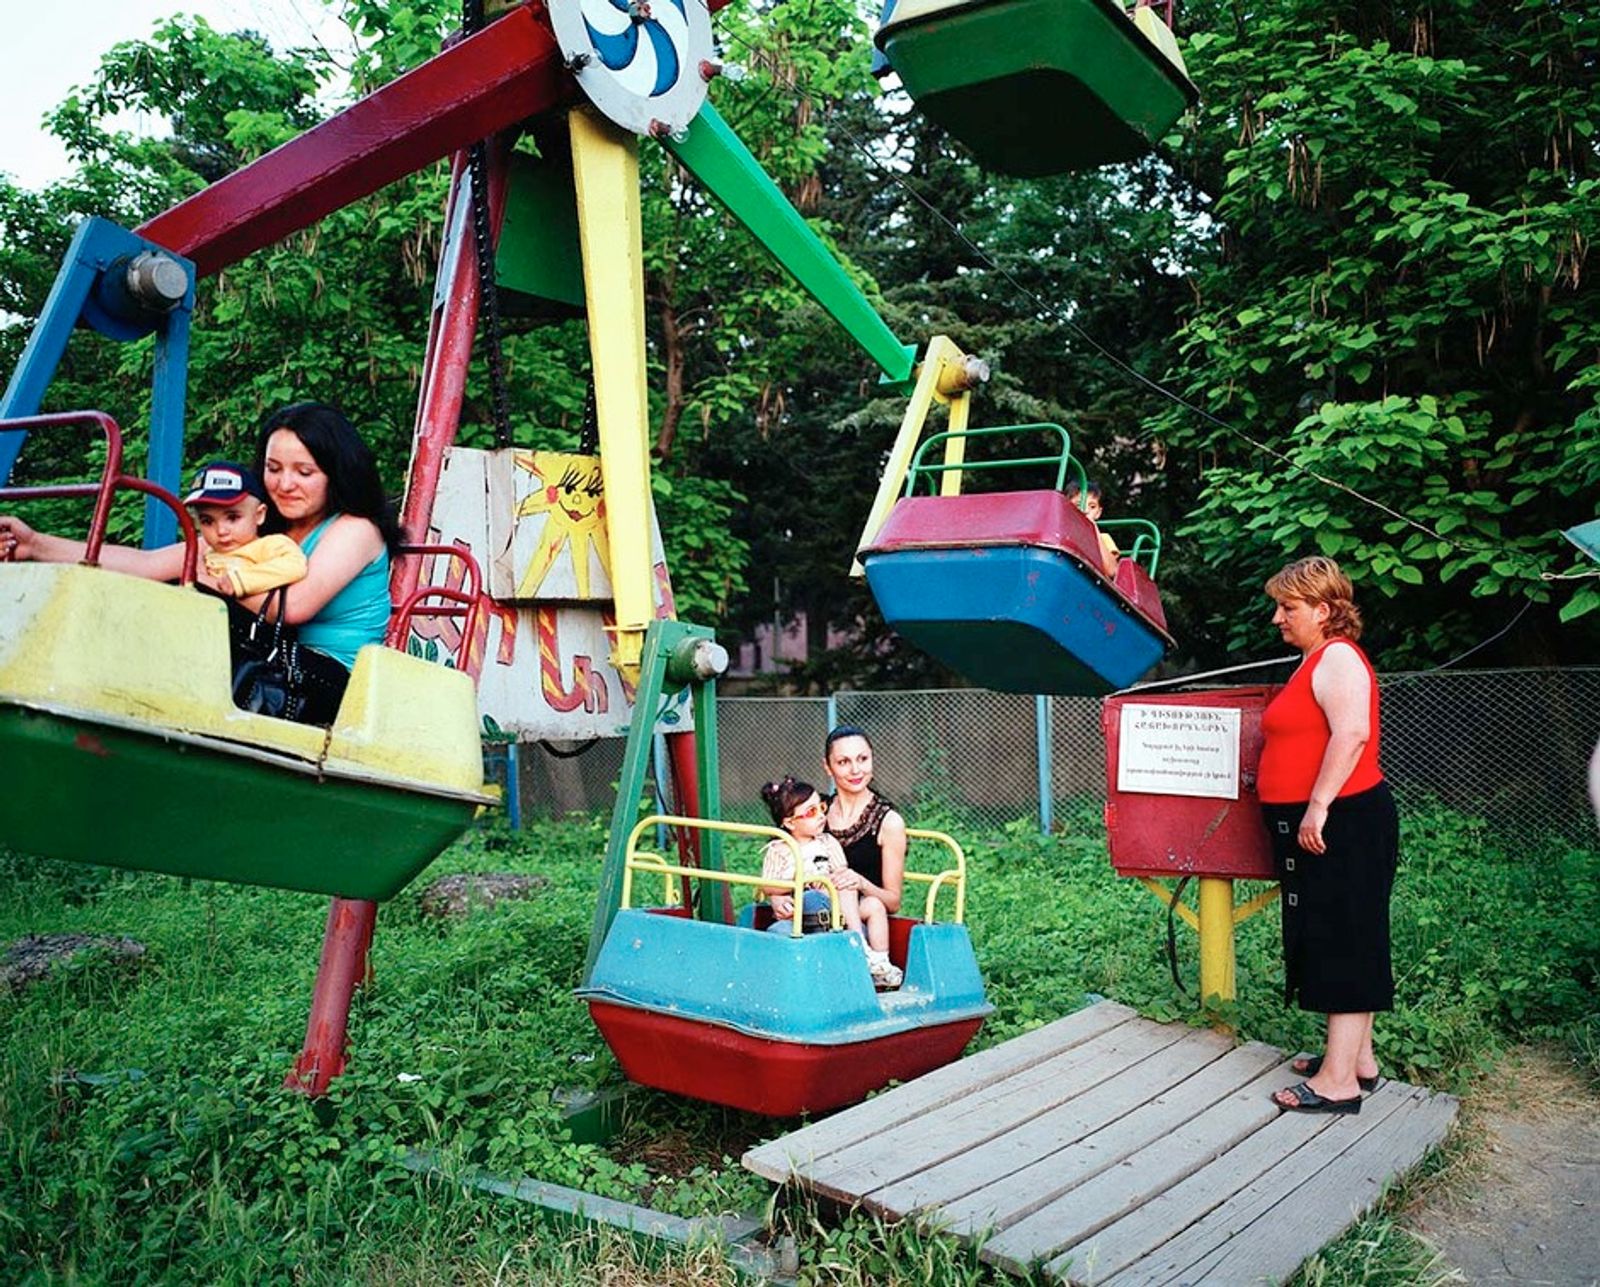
column 1112, row 1149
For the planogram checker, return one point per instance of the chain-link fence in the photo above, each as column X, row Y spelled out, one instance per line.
column 1509, row 747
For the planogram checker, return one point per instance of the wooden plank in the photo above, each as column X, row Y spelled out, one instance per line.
column 1309, row 1217
column 1090, row 1206
column 886, row 1156
column 791, row 1155
column 1163, row 1219
column 1292, row 1179
column 1015, row 1175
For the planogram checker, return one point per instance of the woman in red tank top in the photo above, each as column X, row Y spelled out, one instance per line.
column 1334, row 832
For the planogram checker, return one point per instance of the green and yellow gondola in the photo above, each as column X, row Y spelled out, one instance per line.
column 121, row 745
column 1037, row 87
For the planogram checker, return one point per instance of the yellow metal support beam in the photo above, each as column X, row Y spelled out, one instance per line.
column 938, row 371
column 1214, row 923
column 955, row 449
column 605, row 167
column 1216, row 940
column 1244, row 911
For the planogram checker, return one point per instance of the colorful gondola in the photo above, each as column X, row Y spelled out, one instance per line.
column 122, row 743
column 777, row 1023
column 1008, row 588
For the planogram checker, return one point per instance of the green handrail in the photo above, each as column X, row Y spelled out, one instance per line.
column 1063, row 460
column 1146, row 544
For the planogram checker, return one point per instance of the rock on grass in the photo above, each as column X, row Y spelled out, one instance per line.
column 36, row 956
column 454, row 896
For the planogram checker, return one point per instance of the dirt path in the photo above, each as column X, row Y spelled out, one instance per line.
column 1526, row 1206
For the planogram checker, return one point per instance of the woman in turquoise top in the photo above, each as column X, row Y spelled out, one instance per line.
column 329, row 499
column 324, row 483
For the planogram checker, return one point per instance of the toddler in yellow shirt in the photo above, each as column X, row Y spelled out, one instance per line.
column 229, row 503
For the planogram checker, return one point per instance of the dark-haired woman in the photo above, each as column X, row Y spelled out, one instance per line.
column 324, row 483
column 868, row 828
column 1334, row 832
column 798, row 809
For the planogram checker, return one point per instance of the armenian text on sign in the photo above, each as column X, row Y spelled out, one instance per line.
column 1179, row 750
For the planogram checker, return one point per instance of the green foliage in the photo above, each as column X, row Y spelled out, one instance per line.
column 1393, row 300
column 337, row 313
column 1369, row 245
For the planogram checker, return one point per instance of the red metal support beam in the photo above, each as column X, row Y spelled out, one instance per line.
column 346, row 942
column 490, row 81
column 444, row 368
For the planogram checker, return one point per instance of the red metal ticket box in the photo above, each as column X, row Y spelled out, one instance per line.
column 1180, row 835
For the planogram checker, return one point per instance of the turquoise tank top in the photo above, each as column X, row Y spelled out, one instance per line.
column 357, row 615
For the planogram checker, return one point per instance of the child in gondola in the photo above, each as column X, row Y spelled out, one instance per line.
column 798, row 809
column 1093, row 506
column 229, row 503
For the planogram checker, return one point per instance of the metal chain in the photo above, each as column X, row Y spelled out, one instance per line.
column 488, row 295
column 589, row 434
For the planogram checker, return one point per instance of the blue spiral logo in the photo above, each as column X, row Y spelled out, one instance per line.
column 646, row 64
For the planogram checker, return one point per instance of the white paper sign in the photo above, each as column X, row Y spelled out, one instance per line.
column 1179, row 750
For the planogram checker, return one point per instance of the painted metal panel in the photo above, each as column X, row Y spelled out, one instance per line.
column 1170, row 835
column 488, row 82
column 1015, row 618
column 814, row 990
column 990, row 72
column 546, row 662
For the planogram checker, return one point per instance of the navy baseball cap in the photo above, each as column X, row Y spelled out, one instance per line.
column 221, row 482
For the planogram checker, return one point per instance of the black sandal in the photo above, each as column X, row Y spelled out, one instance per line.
column 1310, row 1067
column 1308, row 1101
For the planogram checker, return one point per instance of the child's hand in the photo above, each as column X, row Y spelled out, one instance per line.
column 221, row 584
column 782, row 906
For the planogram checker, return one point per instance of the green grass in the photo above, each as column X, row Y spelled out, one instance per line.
column 144, row 1134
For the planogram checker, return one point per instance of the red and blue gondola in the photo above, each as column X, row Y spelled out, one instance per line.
column 1008, row 588
column 776, row 1023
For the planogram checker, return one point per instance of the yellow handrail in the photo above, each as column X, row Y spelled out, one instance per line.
column 636, row 859
column 956, row 876
column 645, row 860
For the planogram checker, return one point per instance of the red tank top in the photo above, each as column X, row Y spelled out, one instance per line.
column 1295, row 737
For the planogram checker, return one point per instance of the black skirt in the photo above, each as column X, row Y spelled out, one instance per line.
column 1336, row 904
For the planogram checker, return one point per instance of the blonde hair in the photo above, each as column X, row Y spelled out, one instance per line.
column 1320, row 580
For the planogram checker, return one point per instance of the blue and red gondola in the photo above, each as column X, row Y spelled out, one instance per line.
column 1009, row 589
column 776, row 1023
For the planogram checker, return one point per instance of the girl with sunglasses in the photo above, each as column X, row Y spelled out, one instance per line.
column 798, row 809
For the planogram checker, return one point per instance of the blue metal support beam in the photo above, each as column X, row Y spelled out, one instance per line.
column 89, row 291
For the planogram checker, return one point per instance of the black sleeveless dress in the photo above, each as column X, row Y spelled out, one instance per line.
column 860, row 839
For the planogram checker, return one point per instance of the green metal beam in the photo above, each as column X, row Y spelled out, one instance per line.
column 663, row 640
column 714, row 155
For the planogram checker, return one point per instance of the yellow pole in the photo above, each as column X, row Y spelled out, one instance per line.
column 1216, row 940
column 605, row 166
column 955, row 449
column 941, row 353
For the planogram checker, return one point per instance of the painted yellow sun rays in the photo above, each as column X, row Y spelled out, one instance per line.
column 570, row 491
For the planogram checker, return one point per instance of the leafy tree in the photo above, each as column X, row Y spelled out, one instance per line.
column 338, row 312
column 1394, row 306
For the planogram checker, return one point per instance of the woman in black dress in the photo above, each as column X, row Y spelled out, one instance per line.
column 1334, row 832
column 868, row 828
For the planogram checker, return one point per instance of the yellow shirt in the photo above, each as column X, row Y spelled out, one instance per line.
column 262, row 564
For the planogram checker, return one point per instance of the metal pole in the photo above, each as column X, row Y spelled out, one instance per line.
column 833, row 712
column 514, row 786
column 1216, row 940
column 1041, row 723
column 658, row 761
column 345, row 944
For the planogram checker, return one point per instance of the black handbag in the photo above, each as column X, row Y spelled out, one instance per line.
column 267, row 677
